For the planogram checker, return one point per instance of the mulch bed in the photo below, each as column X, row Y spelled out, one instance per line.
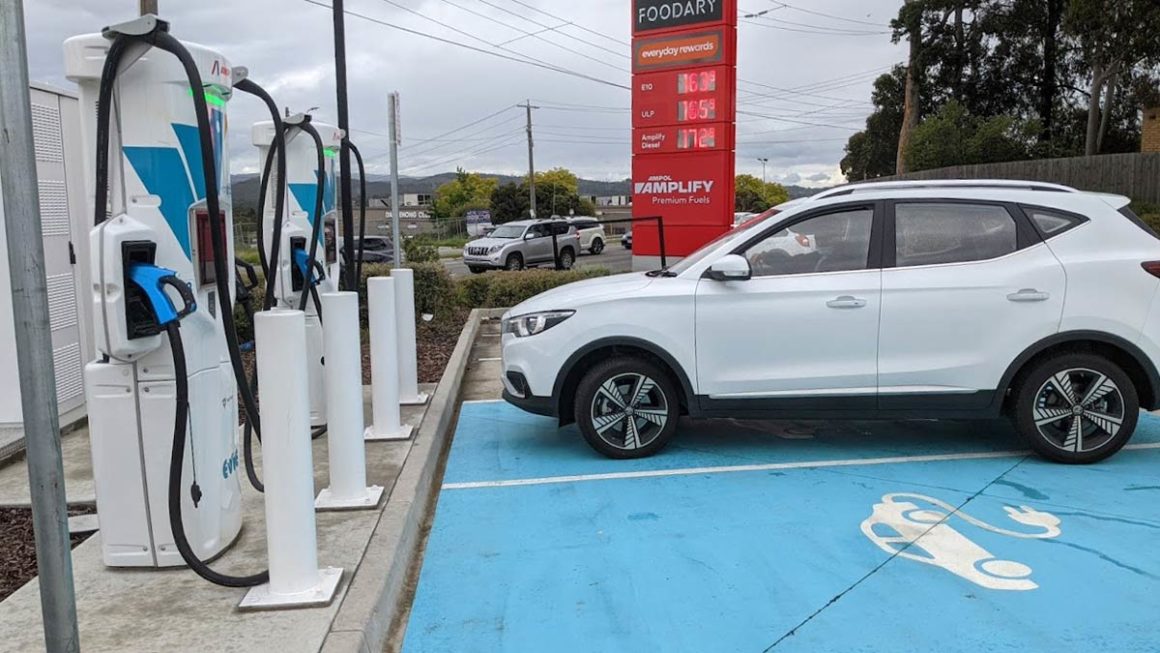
column 18, row 547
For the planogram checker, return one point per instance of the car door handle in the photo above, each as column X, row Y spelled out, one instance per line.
column 1029, row 295
column 846, row 301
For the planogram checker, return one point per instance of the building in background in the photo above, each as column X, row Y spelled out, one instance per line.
column 1150, row 130
column 414, row 217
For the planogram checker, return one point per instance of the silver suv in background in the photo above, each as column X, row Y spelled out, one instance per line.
column 591, row 234
column 517, row 245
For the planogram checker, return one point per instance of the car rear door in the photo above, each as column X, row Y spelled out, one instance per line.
column 966, row 287
column 802, row 333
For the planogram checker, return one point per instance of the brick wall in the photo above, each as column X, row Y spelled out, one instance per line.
column 1150, row 140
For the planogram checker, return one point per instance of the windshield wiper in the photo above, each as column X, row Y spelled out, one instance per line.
column 663, row 272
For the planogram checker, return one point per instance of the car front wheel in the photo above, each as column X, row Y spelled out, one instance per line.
column 1076, row 408
column 514, row 262
column 626, row 408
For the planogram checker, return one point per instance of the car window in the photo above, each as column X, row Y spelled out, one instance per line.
column 834, row 242
column 1051, row 223
column 937, row 234
column 538, row 230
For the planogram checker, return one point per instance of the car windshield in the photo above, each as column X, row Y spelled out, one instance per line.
column 692, row 259
column 507, row 231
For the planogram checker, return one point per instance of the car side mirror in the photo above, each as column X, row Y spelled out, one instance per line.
column 529, row 236
column 733, row 267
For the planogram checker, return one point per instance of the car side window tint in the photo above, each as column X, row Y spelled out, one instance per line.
column 834, row 242
column 1049, row 223
column 937, row 234
column 538, row 231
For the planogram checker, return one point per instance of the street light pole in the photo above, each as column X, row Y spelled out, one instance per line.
column 763, row 162
column 22, row 227
column 148, row 7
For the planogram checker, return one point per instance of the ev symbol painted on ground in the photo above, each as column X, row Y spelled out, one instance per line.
column 917, row 527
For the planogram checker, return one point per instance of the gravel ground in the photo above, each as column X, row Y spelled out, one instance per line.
column 18, row 548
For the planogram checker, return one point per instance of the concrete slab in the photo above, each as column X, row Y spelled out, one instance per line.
column 484, row 367
column 78, row 473
column 174, row 610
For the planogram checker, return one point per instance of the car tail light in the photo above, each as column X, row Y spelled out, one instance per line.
column 1151, row 267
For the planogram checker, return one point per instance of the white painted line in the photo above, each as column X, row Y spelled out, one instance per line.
column 810, row 464
column 489, row 360
column 483, row 401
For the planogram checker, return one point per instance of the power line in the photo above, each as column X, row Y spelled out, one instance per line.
column 574, row 24
column 539, row 24
column 786, row 5
column 807, row 31
column 528, row 62
column 798, row 122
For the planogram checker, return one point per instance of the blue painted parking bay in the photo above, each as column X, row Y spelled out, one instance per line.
column 911, row 536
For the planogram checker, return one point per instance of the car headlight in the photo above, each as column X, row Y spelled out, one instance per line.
column 531, row 324
column 494, row 249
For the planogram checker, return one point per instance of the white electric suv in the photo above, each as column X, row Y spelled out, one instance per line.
column 895, row 300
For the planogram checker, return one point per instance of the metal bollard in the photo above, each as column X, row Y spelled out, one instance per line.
column 409, row 394
column 291, row 539
column 386, row 419
column 344, row 405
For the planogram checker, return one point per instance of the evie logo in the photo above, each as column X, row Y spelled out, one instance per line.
column 230, row 465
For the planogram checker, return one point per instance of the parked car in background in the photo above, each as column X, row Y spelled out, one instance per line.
column 626, row 240
column 516, row 245
column 591, row 234
column 932, row 299
column 376, row 249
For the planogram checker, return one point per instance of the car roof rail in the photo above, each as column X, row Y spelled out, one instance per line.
column 850, row 189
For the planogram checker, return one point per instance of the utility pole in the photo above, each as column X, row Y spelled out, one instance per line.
column 531, row 160
column 22, row 227
column 397, row 236
column 763, row 162
column 148, row 7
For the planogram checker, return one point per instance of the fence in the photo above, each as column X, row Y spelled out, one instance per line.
column 1134, row 175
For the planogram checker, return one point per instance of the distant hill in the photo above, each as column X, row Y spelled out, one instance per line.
column 245, row 187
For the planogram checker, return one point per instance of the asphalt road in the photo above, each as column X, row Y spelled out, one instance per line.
column 615, row 258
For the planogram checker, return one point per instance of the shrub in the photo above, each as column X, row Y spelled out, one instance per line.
column 434, row 291
column 503, row 289
column 1149, row 213
column 417, row 251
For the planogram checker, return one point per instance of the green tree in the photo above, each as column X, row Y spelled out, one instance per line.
column 562, row 178
column 873, row 151
column 755, row 196
column 508, row 202
column 952, row 136
column 468, row 190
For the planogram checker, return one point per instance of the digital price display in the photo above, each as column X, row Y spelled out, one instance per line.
column 697, row 138
column 676, row 139
column 682, row 97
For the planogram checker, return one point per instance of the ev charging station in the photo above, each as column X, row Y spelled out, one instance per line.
column 308, row 194
column 156, row 233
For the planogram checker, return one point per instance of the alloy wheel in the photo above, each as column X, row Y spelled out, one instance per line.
column 629, row 411
column 1079, row 410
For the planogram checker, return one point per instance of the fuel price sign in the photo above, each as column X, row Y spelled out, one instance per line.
column 683, row 97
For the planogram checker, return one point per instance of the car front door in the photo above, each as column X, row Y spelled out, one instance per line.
column 804, row 328
column 967, row 287
column 539, row 243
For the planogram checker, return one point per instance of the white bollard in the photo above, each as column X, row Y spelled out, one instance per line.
column 409, row 394
column 344, row 404
column 287, row 464
column 386, row 418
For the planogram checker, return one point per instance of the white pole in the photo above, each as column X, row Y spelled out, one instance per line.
column 396, row 233
column 344, row 406
column 409, row 394
column 291, row 539
column 387, row 419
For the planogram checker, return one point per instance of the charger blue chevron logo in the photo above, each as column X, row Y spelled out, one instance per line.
column 307, row 194
column 176, row 177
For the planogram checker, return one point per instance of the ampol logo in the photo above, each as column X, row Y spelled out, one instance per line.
column 666, row 185
column 219, row 69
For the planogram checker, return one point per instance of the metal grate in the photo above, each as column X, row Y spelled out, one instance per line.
column 69, row 378
column 62, row 304
column 54, row 217
column 46, row 133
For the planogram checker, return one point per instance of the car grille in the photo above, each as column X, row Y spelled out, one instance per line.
column 477, row 251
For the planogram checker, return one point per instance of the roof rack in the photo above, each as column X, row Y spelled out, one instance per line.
column 850, row 189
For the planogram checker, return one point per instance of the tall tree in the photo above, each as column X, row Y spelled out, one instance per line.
column 909, row 23
column 873, row 152
column 1115, row 38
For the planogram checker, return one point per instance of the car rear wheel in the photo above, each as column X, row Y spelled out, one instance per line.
column 626, row 408
column 1076, row 408
column 567, row 258
column 597, row 246
column 514, row 262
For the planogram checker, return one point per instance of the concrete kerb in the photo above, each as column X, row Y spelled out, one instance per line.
column 375, row 601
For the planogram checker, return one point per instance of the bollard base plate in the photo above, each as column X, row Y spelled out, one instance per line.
column 327, row 501
column 261, row 598
column 418, row 400
column 404, row 433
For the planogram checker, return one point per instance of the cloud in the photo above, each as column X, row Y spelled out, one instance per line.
column 288, row 47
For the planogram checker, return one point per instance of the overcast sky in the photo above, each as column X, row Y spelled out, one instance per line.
column 810, row 64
